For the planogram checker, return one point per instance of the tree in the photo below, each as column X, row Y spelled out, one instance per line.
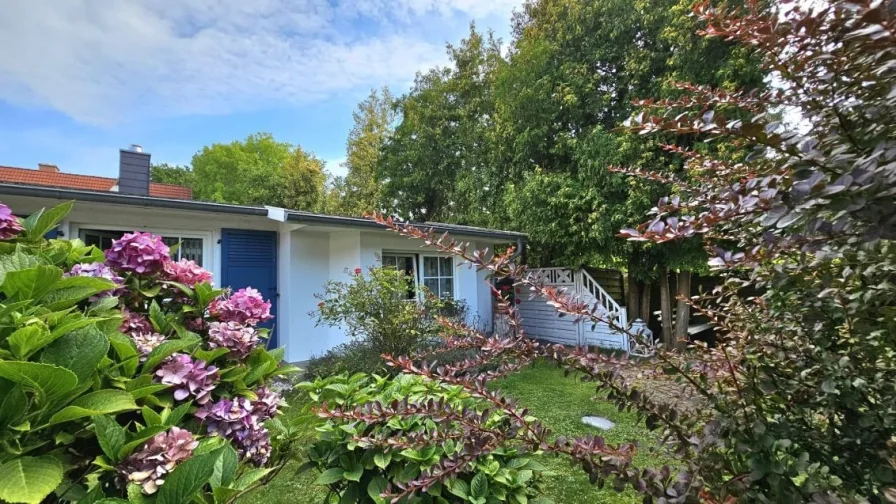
column 374, row 120
column 303, row 181
column 574, row 70
column 165, row 173
column 433, row 166
column 258, row 171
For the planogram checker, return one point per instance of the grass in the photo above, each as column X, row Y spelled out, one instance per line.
column 559, row 402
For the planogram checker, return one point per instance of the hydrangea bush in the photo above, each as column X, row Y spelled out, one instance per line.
column 125, row 376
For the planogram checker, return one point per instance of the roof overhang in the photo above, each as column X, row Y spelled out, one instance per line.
column 275, row 213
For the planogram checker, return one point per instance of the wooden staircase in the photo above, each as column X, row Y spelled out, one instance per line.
column 542, row 321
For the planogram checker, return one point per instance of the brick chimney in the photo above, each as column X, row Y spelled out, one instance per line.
column 133, row 171
column 48, row 167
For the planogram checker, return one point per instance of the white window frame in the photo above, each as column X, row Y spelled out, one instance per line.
column 418, row 268
column 208, row 258
column 416, row 261
column 454, row 276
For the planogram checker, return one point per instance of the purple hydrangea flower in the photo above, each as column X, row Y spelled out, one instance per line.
column 241, row 420
column 257, row 446
column 98, row 270
column 141, row 253
column 133, row 323
column 189, row 377
column 245, row 306
column 9, row 223
column 148, row 466
column 265, row 406
column 237, row 338
column 147, row 342
column 187, row 272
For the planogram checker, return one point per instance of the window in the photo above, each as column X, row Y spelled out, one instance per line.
column 438, row 276
column 407, row 264
column 190, row 247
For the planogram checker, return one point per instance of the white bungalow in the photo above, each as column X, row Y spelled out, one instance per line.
column 285, row 254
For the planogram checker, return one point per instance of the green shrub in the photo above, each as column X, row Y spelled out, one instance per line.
column 383, row 311
column 357, row 471
column 118, row 372
column 347, row 358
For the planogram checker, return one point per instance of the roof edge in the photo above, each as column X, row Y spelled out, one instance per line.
column 335, row 220
column 203, row 206
column 127, row 199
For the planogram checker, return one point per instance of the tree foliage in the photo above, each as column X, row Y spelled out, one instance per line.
column 358, row 193
column 165, row 173
column 430, row 168
column 798, row 402
column 259, row 171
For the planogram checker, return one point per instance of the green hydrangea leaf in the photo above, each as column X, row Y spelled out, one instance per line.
column 29, row 479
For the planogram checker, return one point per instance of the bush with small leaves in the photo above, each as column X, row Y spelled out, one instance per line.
column 108, row 366
column 371, row 439
column 382, row 312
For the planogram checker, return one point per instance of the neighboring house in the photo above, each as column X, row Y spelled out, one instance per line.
column 285, row 254
column 50, row 176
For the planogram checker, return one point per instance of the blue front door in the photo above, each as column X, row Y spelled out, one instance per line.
column 249, row 259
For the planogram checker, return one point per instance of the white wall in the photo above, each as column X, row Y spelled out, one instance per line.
column 309, row 271
column 345, row 256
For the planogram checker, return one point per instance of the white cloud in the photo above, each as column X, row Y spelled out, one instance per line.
column 106, row 62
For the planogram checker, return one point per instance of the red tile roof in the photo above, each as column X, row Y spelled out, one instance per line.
column 12, row 175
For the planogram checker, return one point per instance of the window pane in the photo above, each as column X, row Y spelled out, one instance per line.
column 172, row 241
column 447, row 267
column 432, row 284
column 191, row 248
column 446, row 288
column 389, row 261
column 430, row 266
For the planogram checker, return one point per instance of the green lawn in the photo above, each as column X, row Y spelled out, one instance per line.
column 558, row 401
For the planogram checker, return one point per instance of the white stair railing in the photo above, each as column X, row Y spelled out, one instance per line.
column 580, row 284
column 602, row 297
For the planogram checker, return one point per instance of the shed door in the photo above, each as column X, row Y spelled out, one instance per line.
column 249, row 259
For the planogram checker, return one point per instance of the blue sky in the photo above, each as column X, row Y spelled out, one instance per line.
column 80, row 79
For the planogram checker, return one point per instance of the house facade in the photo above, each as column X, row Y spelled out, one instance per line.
column 287, row 255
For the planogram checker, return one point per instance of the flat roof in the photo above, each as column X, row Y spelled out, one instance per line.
column 204, row 206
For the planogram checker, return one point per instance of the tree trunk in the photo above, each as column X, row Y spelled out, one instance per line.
column 631, row 303
column 666, row 309
column 645, row 302
column 682, row 309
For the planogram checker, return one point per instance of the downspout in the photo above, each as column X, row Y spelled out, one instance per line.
column 520, row 251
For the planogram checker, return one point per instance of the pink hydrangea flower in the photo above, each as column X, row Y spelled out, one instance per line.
column 133, row 323
column 98, row 270
column 238, row 338
column 187, row 272
column 147, row 342
column 189, row 377
column 141, row 253
column 245, row 306
column 9, row 223
column 148, row 466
